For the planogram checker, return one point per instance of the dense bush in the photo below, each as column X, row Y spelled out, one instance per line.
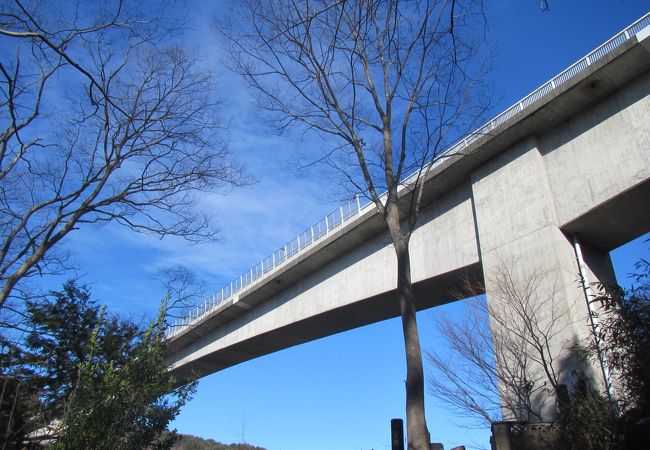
column 84, row 379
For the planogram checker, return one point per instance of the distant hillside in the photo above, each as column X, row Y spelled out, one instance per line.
column 187, row 442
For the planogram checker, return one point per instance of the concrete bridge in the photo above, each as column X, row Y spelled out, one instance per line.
column 567, row 168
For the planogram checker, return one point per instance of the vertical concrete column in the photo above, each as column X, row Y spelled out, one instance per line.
column 522, row 246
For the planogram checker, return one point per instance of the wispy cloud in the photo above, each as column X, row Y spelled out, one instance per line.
column 254, row 220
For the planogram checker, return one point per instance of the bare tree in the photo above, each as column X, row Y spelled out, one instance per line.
column 505, row 358
column 182, row 287
column 103, row 119
column 389, row 84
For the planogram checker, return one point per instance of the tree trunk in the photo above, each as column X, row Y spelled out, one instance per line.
column 417, row 432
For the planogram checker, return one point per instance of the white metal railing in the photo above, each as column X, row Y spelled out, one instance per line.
column 321, row 230
column 318, row 232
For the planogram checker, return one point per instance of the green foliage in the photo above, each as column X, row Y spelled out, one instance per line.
column 186, row 442
column 19, row 403
column 625, row 341
column 61, row 329
column 100, row 381
column 587, row 420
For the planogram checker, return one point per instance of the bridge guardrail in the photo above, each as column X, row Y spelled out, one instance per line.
column 346, row 213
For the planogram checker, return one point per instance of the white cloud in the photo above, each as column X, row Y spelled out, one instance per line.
column 254, row 221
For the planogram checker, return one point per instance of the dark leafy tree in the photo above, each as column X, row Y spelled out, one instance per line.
column 84, row 379
column 20, row 408
column 586, row 419
column 62, row 327
column 624, row 339
column 123, row 406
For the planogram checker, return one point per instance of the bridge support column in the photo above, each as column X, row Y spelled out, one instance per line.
column 524, row 253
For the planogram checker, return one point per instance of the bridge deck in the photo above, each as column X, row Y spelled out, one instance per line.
column 448, row 191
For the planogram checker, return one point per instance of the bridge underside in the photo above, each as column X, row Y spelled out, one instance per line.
column 615, row 222
column 603, row 228
column 430, row 293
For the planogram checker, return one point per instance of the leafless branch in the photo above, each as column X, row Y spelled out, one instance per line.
column 102, row 119
column 504, row 353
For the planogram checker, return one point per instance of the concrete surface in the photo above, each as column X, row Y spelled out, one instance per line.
column 575, row 162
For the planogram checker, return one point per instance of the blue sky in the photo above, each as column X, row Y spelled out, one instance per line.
column 340, row 392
